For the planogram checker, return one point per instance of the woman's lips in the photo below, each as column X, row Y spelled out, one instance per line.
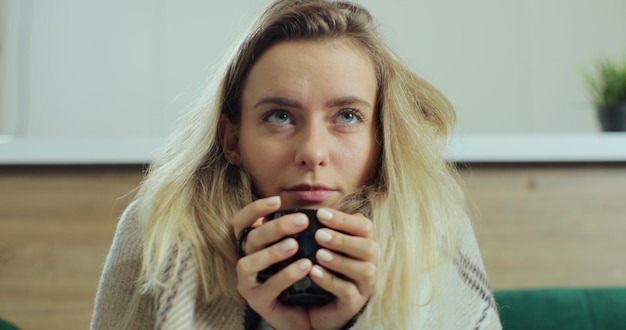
column 310, row 194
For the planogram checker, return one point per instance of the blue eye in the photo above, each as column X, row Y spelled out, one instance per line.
column 349, row 116
column 278, row 117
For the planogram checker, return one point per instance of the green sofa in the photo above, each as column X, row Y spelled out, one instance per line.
column 4, row 325
column 562, row 308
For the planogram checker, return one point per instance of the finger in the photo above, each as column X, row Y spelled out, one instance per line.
column 282, row 280
column 264, row 297
column 275, row 230
column 353, row 224
column 347, row 292
column 365, row 249
column 252, row 264
column 253, row 211
column 361, row 272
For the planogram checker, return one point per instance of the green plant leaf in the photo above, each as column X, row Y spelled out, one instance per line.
column 606, row 84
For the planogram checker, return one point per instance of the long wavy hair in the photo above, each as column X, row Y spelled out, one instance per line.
column 191, row 192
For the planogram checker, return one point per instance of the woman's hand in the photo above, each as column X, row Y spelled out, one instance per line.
column 349, row 249
column 261, row 252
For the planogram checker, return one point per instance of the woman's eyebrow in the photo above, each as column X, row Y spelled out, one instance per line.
column 338, row 102
column 348, row 100
column 278, row 101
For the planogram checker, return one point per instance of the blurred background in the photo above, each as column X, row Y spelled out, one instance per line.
column 89, row 90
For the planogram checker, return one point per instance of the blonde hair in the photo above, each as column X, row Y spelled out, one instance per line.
column 191, row 192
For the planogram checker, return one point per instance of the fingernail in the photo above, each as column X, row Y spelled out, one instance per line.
column 304, row 264
column 299, row 219
column 288, row 245
column 317, row 272
column 324, row 214
column 324, row 255
column 323, row 236
column 272, row 201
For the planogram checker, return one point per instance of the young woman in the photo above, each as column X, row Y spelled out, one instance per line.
column 312, row 111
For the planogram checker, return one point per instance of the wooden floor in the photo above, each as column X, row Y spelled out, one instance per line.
column 537, row 226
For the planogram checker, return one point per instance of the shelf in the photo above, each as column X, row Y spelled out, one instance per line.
column 587, row 147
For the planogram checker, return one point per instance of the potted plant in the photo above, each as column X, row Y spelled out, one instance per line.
column 607, row 88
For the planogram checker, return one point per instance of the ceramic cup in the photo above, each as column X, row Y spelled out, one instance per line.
column 305, row 291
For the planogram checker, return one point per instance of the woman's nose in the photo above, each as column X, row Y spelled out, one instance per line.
column 312, row 146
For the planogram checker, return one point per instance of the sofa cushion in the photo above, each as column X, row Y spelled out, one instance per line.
column 562, row 308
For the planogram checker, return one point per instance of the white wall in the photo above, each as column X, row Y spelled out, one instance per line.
column 97, row 68
column 115, row 74
column 509, row 65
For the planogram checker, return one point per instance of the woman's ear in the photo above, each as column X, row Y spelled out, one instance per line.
column 229, row 139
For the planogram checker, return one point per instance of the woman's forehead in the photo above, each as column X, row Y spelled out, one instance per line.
column 293, row 65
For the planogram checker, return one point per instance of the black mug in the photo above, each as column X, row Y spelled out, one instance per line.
column 304, row 292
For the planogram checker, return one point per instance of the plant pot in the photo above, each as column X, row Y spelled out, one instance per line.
column 613, row 119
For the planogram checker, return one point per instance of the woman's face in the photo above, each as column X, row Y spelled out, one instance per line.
column 308, row 123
